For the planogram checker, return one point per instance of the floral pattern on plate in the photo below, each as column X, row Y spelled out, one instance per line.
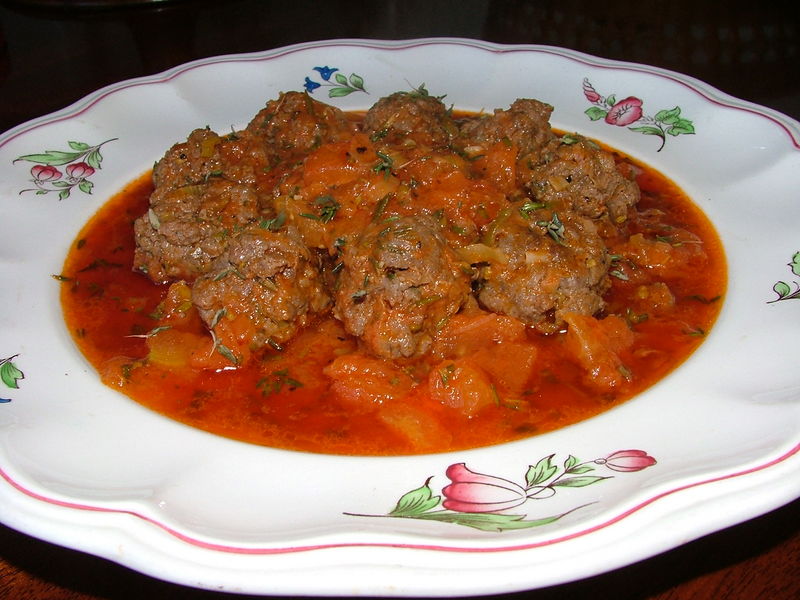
column 82, row 160
column 783, row 289
column 10, row 375
column 340, row 86
column 628, row 111
column 481, row 501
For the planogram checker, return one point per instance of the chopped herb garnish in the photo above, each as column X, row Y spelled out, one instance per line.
column 422, row 92
column 380, row 134
column 391, row 272
column 276, row 381
column 384, row 165
column 633, row 318
column 428, row 300
column 217, row 317
column 695, row 332
column 267, row 283
column 274, row 345
column 530, row 206
column 226, row 352
column 495, row 395
column 126, row 370
column 151, row 333
column 99, row 263
column 445, row 373
column 222, row 275
column 380, row 208
column 702, row 299
column 618, row 274
column 554, row 228
column 328, row 208
column 275, row 223
column 61, row 277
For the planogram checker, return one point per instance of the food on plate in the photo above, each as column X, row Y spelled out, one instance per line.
column 407, row 280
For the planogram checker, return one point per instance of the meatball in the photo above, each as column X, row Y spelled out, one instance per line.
column 295, row 124
column 410, row 119
column 268, row 277
column 584, row 177
column 526, row 124
column 397, row 283
column 237, row 156
column 187, row 227
column 188, row 162
column 542, row 267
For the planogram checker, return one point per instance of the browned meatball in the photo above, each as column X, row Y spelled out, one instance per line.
column 295, row 124
column 209, row 187
column 187, row 227
column 526, row 124
column 579, row 174
column 237, row 156
column 188, row 162
column 409, row 119
column 270, row 278
column 543, row 266
column 398, row 282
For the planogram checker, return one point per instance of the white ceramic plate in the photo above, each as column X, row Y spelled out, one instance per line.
column 718, row 441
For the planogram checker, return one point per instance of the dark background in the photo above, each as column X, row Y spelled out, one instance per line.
column 52, row 55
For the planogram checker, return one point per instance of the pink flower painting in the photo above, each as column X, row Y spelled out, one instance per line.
column 629, row 113
column 474, row 492
column 79, row 170
column 492, row 503
column 625, row 112
column 80, row 162
column 45, row 173
column 626, row 461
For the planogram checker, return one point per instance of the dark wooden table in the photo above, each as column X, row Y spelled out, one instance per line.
column 51, row 56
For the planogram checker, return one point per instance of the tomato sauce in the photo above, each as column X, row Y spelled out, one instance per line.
column 320, row 393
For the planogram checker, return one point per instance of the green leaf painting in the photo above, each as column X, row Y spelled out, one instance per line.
column 10, row 375
column 788, row 291
column 338, row 84
column 494, row 504
column 629, row 112
column 80, row 162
